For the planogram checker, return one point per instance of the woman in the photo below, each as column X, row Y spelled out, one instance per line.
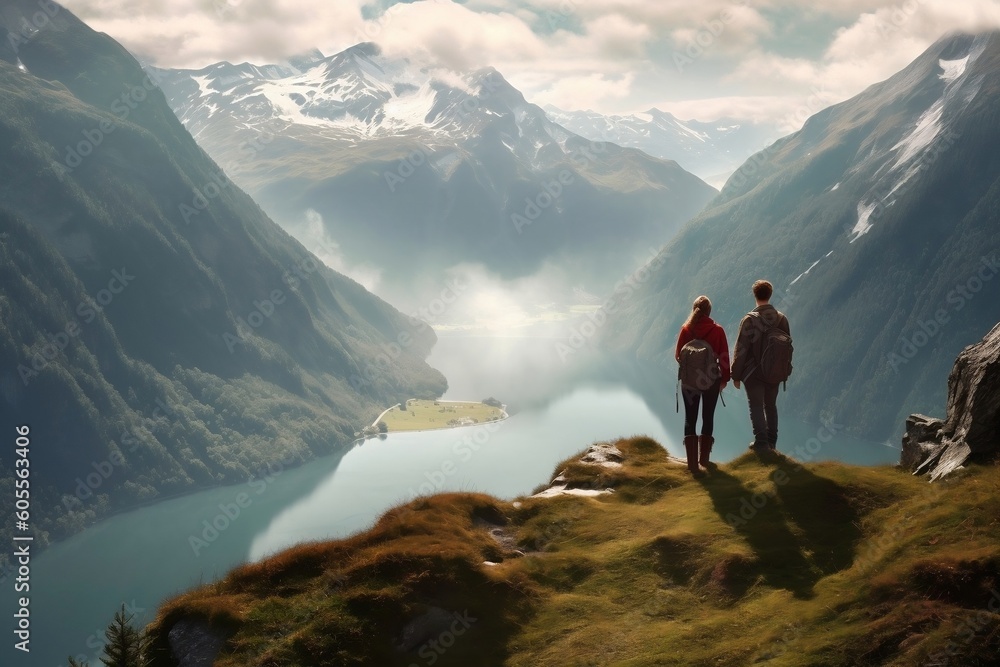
column 699, row 326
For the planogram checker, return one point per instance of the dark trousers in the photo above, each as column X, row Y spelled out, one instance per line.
column 763, row 399
column 708, row 399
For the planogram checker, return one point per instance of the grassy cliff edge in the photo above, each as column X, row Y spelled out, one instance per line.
column 774, row 563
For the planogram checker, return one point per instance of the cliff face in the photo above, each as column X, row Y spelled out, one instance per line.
column 971, row 429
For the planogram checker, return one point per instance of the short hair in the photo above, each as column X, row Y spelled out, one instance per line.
column 762, row 290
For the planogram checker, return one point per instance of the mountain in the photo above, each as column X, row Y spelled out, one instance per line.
column 356, row 148
column 710, row 150
column 627, row 560
column 877, row 224
column 159, row 331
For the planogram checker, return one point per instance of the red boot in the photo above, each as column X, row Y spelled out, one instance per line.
column 705, row 443
column 691, row 447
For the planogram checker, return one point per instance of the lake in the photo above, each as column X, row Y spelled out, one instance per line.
column 557, row 409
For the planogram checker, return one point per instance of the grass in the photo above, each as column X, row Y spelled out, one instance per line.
column 421, row 415
column 770, row 563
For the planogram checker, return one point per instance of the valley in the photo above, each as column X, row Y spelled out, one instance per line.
column 252, row 282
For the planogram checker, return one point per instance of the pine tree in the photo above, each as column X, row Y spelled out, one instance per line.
column 126, row 646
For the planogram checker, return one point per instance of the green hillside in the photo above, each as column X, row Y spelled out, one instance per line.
column 773, row 563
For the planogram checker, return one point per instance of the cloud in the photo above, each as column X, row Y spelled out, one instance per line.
column 194, row 33
column 451, row 35
column 754, row 108
column 311, row 232
column 877, row 44
column 609, row 55
column 589, row 91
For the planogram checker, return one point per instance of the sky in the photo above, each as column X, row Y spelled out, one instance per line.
column 768, row 60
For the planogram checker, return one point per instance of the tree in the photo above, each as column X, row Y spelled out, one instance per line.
column 383, row 427
column 126, row 646
column 492, row 402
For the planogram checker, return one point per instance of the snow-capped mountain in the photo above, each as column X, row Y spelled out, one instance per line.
column 358, row 95
column 454, row 168
column 710, row 150
column 877, row 225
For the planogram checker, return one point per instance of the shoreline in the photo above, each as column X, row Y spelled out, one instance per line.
column 503, row 416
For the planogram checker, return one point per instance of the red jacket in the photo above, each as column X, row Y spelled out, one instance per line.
column 707, row 330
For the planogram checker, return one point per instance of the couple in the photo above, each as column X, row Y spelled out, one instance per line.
column 762, row 392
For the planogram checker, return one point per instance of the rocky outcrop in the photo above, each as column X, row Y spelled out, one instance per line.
column 600, row 454
column 971, row 429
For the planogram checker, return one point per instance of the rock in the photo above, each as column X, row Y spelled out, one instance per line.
column 920, row 440
column 603, row 454
column 194, row 644
column 972, row 425
column 600, row 454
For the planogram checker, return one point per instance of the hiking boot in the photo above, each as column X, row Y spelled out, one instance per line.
column 705, row 443
column 691, row 449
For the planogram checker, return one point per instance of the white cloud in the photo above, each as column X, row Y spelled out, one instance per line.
column 609, row 55
column 590, row 91
column 311, row 232
column 879, row 43
column 753, row 108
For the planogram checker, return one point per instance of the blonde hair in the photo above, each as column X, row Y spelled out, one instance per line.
column 702, row 307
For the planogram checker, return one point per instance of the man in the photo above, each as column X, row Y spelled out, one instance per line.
column 761, row 395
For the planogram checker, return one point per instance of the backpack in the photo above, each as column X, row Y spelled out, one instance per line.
column 699, row 367
column 773, row 353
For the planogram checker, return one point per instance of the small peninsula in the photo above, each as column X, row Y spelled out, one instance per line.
column 426, row 415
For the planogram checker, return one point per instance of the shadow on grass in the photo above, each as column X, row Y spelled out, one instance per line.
column 822, row 512
column 761, row 521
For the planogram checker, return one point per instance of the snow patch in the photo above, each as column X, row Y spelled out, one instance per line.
column 286, row 108
column 863, row 225
column 410, row 109
column 697, row 135
column 952, row 69
column 813, row 266
column 203, row 86
column 927, row 129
